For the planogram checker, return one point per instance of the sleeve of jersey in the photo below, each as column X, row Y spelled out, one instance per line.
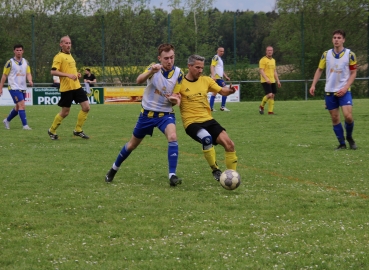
column 214, row 61
column 261, row 63
column 149, row 68
column 213, row 86
column 56, row 62
column 353, row 61
column 177, row 88
column 7, row 67
column 322, row 61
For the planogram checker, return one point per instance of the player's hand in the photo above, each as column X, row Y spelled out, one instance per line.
column 232, row 89
column 155, row 68
column 175, row 99
column 312, row 90
column 30, row 83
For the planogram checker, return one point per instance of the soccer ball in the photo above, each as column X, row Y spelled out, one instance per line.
column 230, row 179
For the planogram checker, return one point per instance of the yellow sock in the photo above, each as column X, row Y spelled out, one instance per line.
column 210, row 157
column 270, row 105
column 264, row 100
column 231, row 160
column 57, row 121
column 82, row 116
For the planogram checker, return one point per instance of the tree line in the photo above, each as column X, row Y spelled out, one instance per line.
column 120, row 37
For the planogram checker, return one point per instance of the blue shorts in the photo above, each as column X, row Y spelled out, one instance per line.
column 18, row 95
column 146, row 124
column 220, row 82
column 333, row 102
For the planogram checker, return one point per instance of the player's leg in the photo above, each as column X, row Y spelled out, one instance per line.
column 65, row 102
column 267, row 90
column 333, row 107
column 81, row 98
column 230, row 153
column 349, row 121
column 167, row 126
column 271, row 98
column 211, row 102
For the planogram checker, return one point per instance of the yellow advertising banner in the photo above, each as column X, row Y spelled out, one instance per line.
column 114, row 95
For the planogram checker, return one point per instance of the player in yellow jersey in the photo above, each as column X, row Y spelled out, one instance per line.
column 268, row 79
column 17, row 70
column 340, row 65
column 65, row 67
column 196, row 115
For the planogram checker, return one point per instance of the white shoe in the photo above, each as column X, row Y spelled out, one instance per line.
column 224, row 109
column 213, row 110
column 6, row 124
column 26, row 127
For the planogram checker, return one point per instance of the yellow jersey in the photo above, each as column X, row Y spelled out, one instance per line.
column 269, row 66
column 65, row 63
column 195, row 106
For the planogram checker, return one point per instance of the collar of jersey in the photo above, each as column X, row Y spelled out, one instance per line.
column 338, row 55
column 167, row 73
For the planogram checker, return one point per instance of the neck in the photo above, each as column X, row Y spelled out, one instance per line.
column 338, row 49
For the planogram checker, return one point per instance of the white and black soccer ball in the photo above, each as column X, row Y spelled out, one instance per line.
column 230, row 179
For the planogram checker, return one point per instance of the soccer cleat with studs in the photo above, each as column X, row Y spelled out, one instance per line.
column 174, row 180
column 80, row 134
column 341, row 147
column 261, row 109
column 110, row 175
column 6, row 124
column 352, row 143
column 224, row 109
column 27, row 127
column 52, row 135
column 217, row 173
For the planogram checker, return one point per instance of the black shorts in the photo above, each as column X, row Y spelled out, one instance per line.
column 269, row 88
column 211, row 126
column 77, row 95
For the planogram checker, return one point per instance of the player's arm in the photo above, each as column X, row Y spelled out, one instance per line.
column 212, row 71
column 226, row 76
column 175, row 97
column 56, row 72
column 262, row 73
column 227, row 90
column 3, row 80
column 317, row 75
column 29, row 78
column 277, row 78
column 143, row 77
column 347, row 86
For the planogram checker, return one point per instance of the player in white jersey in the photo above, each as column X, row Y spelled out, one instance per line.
column 340, row 64
column 17, row 70
column 162, row 91
column 218, row 74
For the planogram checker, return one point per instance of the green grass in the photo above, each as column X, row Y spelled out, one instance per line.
column 301, row 205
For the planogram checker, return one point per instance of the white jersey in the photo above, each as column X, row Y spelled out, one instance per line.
column 162, row 83
column 337, row 70
column 17, row 74
column 217, row 62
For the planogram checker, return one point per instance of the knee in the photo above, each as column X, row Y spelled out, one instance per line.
column 229, row 147
column 207, row 142
column 172, row 137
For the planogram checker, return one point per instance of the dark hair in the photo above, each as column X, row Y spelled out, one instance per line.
column 166, row 47
column 193, row 58
column 89, row 70
column 339, row 32
column 16, row 46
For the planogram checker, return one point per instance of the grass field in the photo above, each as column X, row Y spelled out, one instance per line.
column 301, row 205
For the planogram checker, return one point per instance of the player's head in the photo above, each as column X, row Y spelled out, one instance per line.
column 166, row 55
column 87, row 71
column 338, row 38
column 269, row 51
column 195, row 64
column 65, row 44
column 18, row 50
column 220, row 51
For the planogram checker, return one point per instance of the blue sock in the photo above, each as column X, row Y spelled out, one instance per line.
column 338, row 130
column 224, row 99
column 349, row 129
column 124, row 153
column 22, row 115
column 13, row 113
column 212, row 99
column 172, row 156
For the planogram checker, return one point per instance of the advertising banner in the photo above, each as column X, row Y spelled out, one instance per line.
column 51, row 96
column 115, row 95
